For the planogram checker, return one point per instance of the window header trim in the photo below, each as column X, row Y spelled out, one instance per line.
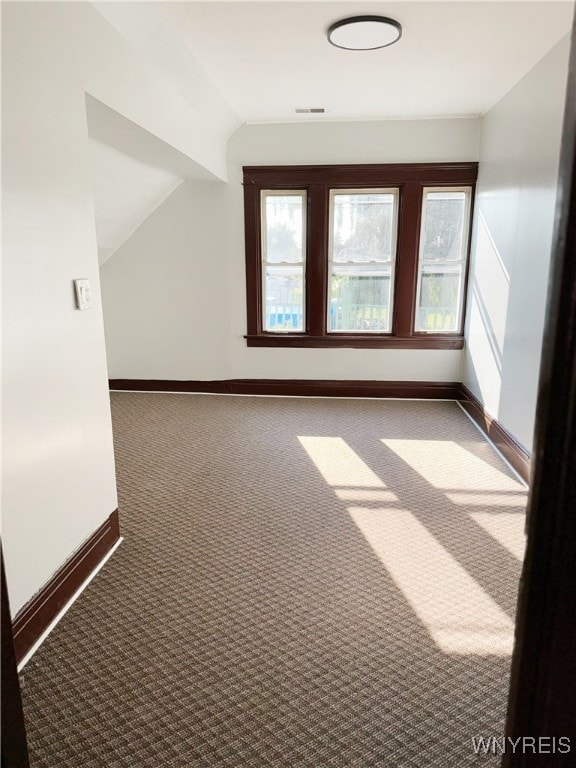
column 340, row 176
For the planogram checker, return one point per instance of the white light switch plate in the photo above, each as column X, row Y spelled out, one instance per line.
column 83, row 293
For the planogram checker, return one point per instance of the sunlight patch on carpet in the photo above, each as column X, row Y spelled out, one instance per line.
column 507, row 528
column 448, row 466
column 459, row 615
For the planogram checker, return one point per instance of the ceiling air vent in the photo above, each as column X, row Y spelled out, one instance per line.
column 310, row 110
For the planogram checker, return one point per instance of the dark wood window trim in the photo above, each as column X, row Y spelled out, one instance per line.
column 318, row 180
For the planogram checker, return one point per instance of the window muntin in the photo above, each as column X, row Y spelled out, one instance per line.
column 361, row 259
column 442, row 259
column 283, row 237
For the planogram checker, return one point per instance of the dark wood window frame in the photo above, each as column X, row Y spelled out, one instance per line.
column 318, row 180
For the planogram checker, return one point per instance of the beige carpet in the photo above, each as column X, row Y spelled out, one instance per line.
column 303, row 583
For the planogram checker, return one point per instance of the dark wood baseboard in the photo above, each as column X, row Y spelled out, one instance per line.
column 35, row 617
column 506, row 443
column 303, row 387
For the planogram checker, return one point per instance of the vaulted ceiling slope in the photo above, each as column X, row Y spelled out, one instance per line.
column 133, row 172
column 155, row 35
column 126, row 192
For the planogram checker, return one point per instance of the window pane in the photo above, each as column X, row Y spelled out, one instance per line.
column 362, row 227
column 283, row 231
column 444, row 226
column 283, row 298
column 441, row 266
column 360, row 299
column 439, row 305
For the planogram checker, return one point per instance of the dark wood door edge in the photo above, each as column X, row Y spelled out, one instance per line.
column 14, row 746
column 513, row 451
column 35, row 617
column 542, row 701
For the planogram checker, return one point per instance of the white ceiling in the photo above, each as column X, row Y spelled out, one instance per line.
column 257, row 61
column 454, row 58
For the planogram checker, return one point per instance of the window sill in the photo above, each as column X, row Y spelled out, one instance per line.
column 356, row 341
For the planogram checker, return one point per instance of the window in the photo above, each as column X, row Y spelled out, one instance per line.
column 357, row 256
column 283, row 259
column 442, row 259
column 361, row 256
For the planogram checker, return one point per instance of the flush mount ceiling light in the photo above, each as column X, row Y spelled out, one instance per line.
column 364, row 33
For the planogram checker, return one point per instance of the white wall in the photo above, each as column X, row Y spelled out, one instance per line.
column 188, row 318
column 58, row 473
column 519, row 152
column 165, row 291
